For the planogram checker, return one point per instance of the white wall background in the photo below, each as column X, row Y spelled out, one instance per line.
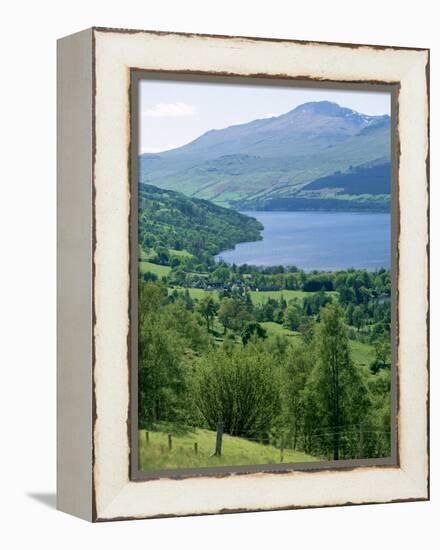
column 27, row 299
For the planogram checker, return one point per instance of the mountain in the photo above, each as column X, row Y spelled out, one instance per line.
column 275, row 158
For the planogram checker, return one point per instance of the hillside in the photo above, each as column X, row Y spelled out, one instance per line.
column 236, row 451
column 275, row 158
column 170, row 220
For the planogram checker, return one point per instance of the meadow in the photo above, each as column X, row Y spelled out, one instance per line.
column 155, row 452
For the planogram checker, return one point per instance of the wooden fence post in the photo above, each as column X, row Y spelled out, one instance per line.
column 170, row 442
column 147, row 437
column 196, row 448
column 218, row 440
column 281, row 449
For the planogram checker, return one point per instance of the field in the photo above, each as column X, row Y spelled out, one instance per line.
column 159, row 270
column 235, row 451
column 179, row 253
column 362, row 354
column 198, row 293
column 259, row 297
column 275, row 329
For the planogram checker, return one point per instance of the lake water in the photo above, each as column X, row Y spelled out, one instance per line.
column 318, row 240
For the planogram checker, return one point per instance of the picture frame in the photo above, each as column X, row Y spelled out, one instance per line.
column 98, row 474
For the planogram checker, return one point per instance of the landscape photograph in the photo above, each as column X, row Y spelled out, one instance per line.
column 264, row 274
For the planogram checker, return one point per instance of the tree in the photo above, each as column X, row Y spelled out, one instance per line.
column 382, row 358
column 297, row 367
column 220, row 275
column 150, row 296
column 307, row 329
column 162, row 255
column 186, row 325
column 292, row 316
column 161, row 380
column 189, row 302
column 358, row 317
column 236, row 386
column 207, row 308
column 336, row 391
column 253, row 330
column 233, row 313
column 349, row 314
column 268, row 309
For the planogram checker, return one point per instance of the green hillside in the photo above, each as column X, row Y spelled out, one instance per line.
column 173, row 225
column 236, row 451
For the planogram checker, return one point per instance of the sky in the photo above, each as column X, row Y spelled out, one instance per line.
column 175, row 113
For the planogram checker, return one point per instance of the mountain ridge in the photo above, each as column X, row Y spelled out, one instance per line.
column 272, row 157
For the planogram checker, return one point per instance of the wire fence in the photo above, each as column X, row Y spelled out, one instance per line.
column 350, row 441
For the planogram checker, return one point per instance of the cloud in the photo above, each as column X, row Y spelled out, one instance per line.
column 177, row 109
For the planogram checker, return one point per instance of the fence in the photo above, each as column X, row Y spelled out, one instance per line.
column 340, row 442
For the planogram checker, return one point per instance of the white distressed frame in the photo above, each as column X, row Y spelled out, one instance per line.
column 114, row 495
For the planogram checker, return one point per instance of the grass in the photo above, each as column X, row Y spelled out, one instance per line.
column 159, row 270
column 180, row 253
column 147, row 255
column 275, row 329
column 236, row 451
column 362, row 354
column 197, row 293
column 259, row 297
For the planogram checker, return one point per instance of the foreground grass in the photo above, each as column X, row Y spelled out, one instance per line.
column 236, row 451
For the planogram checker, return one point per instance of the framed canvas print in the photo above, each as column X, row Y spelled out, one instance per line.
column 242, row 274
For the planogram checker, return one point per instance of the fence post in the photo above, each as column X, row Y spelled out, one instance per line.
column 281, row 449
column 361, row 441
column 147, row 437
column 170, row 442
column 218, row 439
column 196, row 448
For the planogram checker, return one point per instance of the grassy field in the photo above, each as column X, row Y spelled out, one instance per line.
column 261, row 296
column 179, row 253
column 198, row 293
column 236, row 451
column 258, row 297
column 275, row 329
column 159, row 270
column 362, row 354
column 143, row 255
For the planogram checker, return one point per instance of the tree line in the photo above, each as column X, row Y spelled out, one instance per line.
column 306, row 391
